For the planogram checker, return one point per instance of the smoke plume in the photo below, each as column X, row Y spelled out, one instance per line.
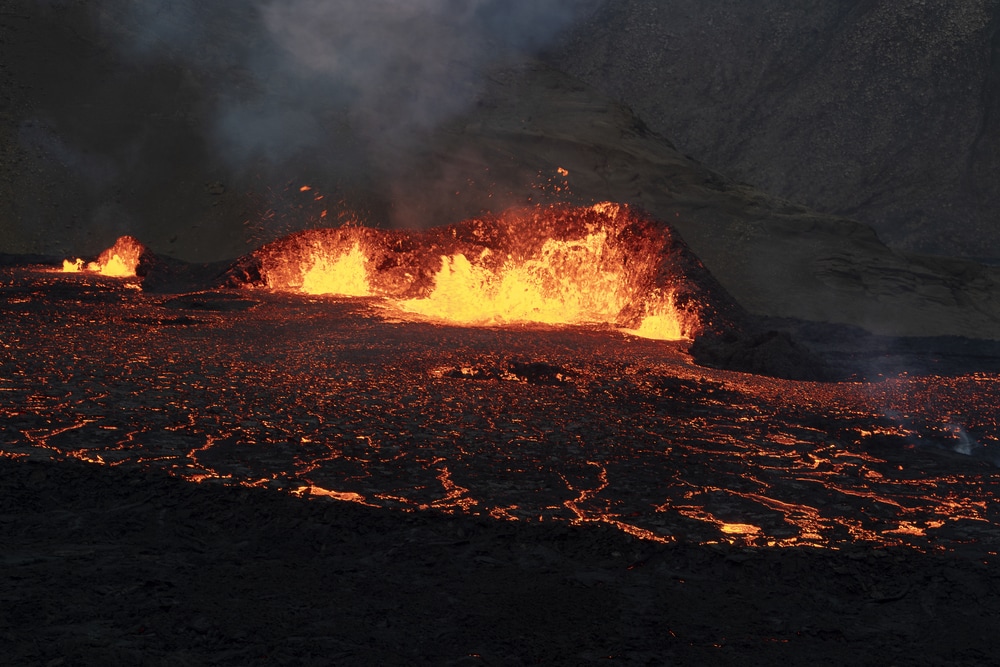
column 358, row 80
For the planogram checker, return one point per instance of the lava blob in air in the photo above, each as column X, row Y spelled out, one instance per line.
column 119, row 261
column 604, row 264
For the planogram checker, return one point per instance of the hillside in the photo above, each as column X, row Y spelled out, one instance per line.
column 885, row 111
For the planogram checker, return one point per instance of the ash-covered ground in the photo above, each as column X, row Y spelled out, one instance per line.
column 242, row 477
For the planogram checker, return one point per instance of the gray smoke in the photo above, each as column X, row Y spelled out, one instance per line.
column 349, row 78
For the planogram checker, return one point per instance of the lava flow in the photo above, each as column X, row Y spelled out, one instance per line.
column 341, row 398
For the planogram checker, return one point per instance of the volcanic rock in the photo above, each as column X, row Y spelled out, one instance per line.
column 533, row 372
column 883, row 111
column 772, row 353
column 538, row 372
column 121, row 565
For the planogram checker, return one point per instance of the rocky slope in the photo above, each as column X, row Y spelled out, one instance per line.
column 885, row 111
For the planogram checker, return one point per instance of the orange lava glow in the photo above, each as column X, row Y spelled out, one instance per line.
column 739, row 529
column 579, row 281
column 313, row 490
column 119, row 261
column 603, row 268
column 343, row 275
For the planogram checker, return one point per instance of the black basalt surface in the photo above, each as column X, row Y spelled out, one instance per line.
column 127, row 567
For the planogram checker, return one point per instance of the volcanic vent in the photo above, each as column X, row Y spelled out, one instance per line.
column 605, row 264
column 121, row 260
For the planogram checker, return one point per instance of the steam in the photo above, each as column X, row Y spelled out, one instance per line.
column 951, row 435
column 964, row 444
column 360, row 80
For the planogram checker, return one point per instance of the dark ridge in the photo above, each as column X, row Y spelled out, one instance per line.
column 773, row 353
column 852, row 352
column 9, row 259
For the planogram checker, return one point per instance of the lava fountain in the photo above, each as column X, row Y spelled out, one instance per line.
column 119, row 261
column 606, row 264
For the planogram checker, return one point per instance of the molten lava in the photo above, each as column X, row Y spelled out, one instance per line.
column 604, row 264
column 578, row 281
column 74, row 266
column 119, row 261
column 343, row 275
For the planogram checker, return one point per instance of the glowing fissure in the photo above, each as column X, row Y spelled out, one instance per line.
column 592, row 269
column 579, row 281
column 119, row 261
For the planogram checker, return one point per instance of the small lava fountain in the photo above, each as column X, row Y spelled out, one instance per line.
column 119, row 261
